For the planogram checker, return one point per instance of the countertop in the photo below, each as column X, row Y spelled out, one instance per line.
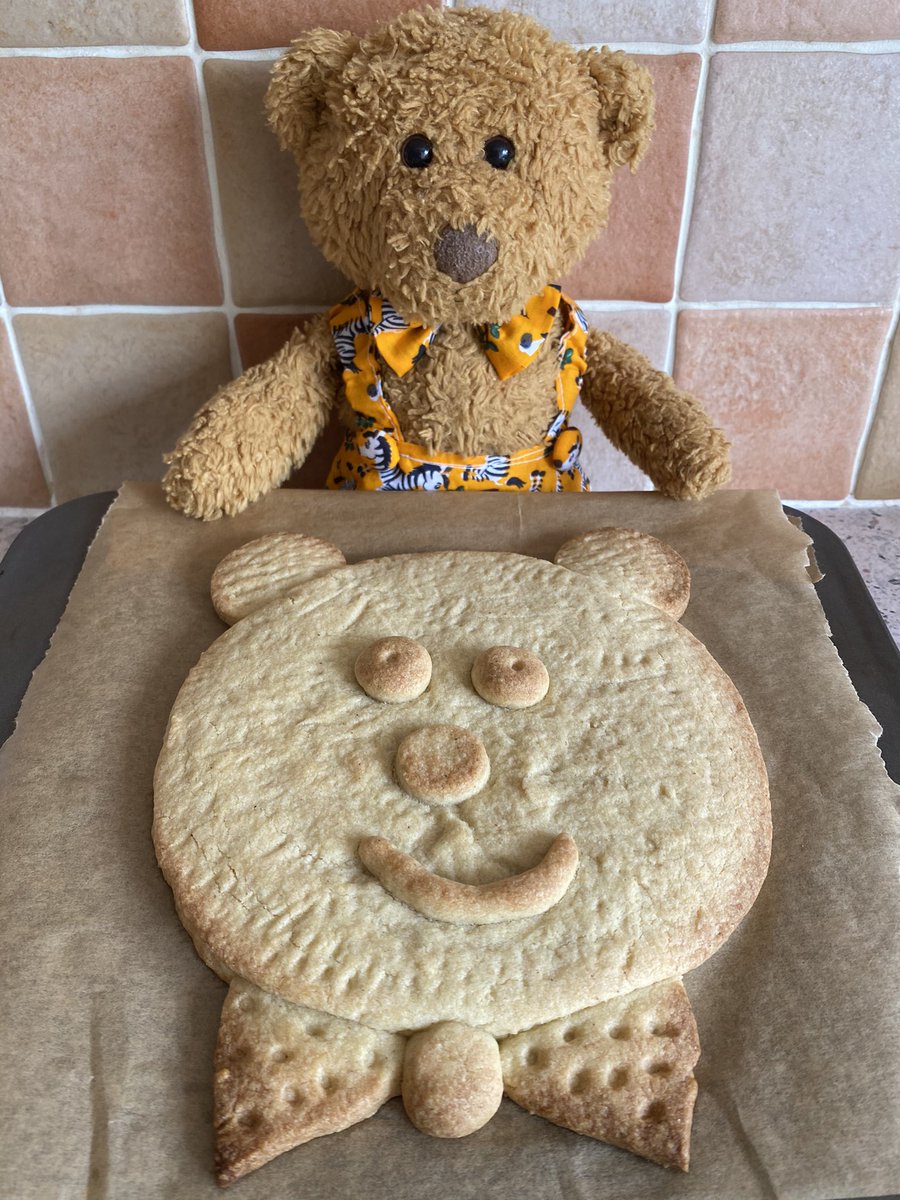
column 871, row 533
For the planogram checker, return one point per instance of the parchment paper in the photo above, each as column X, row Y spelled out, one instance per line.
column 108, row 1019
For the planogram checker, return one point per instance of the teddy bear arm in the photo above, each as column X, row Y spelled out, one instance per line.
column 250, row 435
column 663, row 430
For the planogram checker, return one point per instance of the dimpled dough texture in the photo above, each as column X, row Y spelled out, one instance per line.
column 276, row 765
column 610, row 834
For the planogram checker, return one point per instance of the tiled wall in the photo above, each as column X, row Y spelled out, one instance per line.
column 150, row 247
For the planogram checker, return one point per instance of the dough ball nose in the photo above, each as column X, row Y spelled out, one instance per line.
column 464, row 254
column 442, row 764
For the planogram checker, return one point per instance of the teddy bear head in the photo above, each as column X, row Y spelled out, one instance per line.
column 456, row 161
column 391, row 779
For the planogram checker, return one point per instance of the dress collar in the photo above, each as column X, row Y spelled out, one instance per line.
column 509, row 346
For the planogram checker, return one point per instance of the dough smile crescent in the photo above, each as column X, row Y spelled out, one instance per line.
column 525, row 895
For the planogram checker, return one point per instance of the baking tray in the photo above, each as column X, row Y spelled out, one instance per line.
column 41, row 566
column 43, row 562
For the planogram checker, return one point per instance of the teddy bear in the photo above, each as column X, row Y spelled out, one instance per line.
column 453, row 825
column 452, row 164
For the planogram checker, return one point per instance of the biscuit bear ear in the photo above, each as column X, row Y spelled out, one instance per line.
column 625, row 93
column 630, row 563
column 296, row 95
column 261, row 571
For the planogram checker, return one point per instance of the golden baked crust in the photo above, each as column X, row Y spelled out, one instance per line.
column 452, row 1083
column 510, row 677
column 393, row 669
column 285, row 1075
column 633, row 564
column 620, row 1072
column 442, row 764
column 261, row 570
column 526, row 895
column 641, row 751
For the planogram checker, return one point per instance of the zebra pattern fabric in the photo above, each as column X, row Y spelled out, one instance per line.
column 368, row 330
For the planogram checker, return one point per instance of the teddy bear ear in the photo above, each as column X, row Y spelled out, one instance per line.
column 625, row 93
column 271, row 566
column 296, row 94
column 630, row 563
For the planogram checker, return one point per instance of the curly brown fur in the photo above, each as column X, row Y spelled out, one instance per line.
column 454, row 401
column 248, row 437
column 661, row 429
column 344, row 106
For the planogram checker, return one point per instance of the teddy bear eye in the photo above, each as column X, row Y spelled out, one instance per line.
column 417, row 151
column 393, row 669
column 510, row 677
column 499, row 152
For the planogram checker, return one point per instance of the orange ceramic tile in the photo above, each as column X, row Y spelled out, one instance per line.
column 646, row 329
column 799, row 173
column 76, row 23
column 271, row 255
column 634, row 259
column 879, row 476
column 114, row 391
column 104, row 196
column 790, row 387
column 252, row 24
column 614, row 20
column 21, row 478
column 260, row 335
column 806, row 20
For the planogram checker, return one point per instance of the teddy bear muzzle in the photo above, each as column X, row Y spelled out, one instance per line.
column 464, row 254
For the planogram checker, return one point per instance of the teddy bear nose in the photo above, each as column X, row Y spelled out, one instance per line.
column 464, row 254
column 442, row 764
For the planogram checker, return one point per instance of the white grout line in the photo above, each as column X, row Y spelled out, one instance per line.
column 622, row 305
column 37, row 435
column 722, row 305
column 880, row 375
column 690, row 185
column 136, row 51
column 190, row 49
column 619, row 305
column 266, row 53
column 263, row 54
column 687, row 202
column 848, row 502
column 876, row 46
column 228, row 307
column 96, row 310
column 708, row 46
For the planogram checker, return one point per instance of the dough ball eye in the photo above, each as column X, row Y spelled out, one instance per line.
column 394, row 669
column 510, row 677
column 417, row 151
column 499, row 152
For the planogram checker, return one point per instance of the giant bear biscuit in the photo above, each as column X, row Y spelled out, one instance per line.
column 452, row 867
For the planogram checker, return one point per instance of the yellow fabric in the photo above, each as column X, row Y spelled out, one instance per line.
column 375, row 457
